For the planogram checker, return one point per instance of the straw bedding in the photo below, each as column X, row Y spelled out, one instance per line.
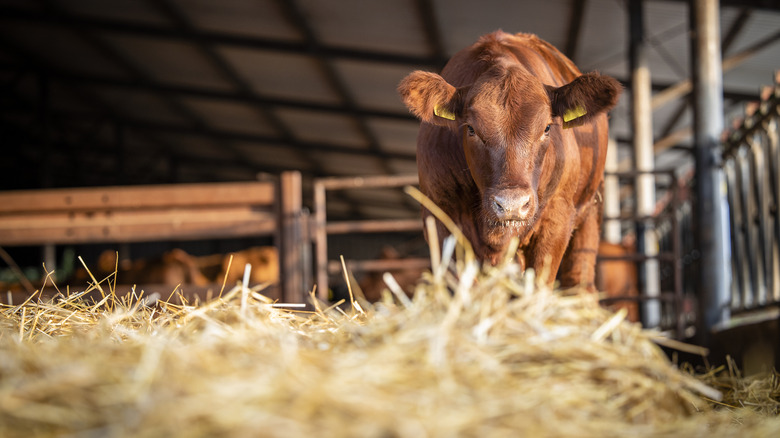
column 477, row 352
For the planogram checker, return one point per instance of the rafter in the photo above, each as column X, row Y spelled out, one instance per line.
column 9, row 13
column 576, row 17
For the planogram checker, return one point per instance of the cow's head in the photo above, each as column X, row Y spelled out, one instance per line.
column 506, row 121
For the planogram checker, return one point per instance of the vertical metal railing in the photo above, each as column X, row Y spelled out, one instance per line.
column 667, row 222
column 751, row 165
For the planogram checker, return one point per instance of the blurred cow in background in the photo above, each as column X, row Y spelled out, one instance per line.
column 263, row 259
column 618, row 278
column 171, row 268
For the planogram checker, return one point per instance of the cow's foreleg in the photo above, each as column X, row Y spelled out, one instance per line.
column 578, row 267
column 551, row 237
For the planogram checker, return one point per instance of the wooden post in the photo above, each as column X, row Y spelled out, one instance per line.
column 291, row 238
column 321, row 240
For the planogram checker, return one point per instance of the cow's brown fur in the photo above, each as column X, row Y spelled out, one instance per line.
column 496, row 170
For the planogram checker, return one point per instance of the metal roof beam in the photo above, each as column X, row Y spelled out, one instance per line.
column 8, row 13
column 210, row 93
column 576, row 17
column 298, row 19
column 427, row 11
column 684, row 87
column 115, row 56
column 173, row 13
column 731, row 35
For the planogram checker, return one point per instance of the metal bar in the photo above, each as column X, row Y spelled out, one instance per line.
column 221, row 65
column 83, row 94
column 130, row 122
column 734, row 200
column 334, row 79
column 749, row 242
column 427, row 12
column 759, row 183
column 684, row 87
column 677, row 264
column 708, row 123
column 753, row 122
column 642, row 126
column 774, row 154
column 253, row 98
column 576, row 17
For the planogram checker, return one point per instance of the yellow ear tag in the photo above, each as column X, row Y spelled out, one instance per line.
column 442, row 112
column 575, row 113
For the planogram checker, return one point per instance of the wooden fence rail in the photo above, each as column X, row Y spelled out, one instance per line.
column 163, row 212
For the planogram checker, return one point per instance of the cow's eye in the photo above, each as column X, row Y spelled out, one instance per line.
column 547, row 129
column 470, row 130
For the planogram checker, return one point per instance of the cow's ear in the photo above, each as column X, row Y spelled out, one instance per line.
column 583, row 98
column 429, row 97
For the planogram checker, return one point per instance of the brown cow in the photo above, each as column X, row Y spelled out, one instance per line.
column 171, row 268
column 618, row 278
column 495, row 154
column 264, row 261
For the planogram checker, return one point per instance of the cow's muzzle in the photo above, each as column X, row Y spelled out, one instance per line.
column 515, row 205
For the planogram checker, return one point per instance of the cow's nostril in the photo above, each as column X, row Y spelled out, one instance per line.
column 526, row 205
column 499, row 207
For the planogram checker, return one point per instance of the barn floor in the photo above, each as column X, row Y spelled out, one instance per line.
column 475, row 353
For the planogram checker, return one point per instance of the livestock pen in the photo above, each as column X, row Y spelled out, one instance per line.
column 163, row 212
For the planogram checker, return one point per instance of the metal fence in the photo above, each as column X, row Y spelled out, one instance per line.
column 752, row 165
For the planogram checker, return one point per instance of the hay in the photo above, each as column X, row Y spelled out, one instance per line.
column 476, row 352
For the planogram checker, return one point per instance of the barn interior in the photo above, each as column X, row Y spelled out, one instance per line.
column 172, row 92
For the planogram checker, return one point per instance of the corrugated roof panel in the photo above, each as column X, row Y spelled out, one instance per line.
column 139, row 105
column 395, row 135
column 339, row 164
column 666, row 28
column 373, row 85
column 281, row 75
column 231, row 116
column 169, row 61
column 124, row 10
column 463, row 21
column 392, row 26
column 758, row 70
column 603, row 41
column 321, row 127
column 196, row 147
column 404, row 167
column 261, row 19
column 275, row 156
column 65, row 50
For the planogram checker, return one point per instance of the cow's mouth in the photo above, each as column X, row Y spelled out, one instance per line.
column 511, row 224
column 499, row 231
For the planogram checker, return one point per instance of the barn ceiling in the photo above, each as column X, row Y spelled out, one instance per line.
column 117, row 92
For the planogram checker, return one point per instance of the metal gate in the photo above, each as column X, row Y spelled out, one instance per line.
column 752, row 166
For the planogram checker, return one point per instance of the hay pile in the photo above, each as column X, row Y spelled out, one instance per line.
column 476, row 353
